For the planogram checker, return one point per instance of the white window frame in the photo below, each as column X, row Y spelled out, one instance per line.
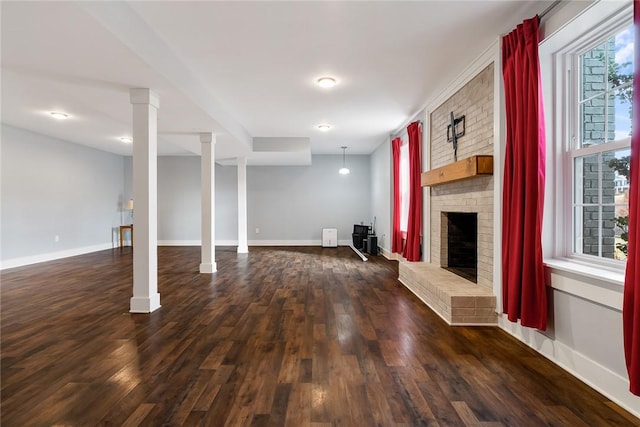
column 573, row 139
column 557, row 55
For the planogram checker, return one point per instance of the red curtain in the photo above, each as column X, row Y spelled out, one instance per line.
column 523, row 284
column 631, row 301
column 396, row 234
column 414, row 224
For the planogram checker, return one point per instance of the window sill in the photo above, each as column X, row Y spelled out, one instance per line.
column 598, row 285
column 586, row 270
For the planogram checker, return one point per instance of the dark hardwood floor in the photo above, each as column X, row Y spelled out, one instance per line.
column 304, row 336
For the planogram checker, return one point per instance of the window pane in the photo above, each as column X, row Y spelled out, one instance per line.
column 586, row 183
column 592, row 118
column 608, row 232
column 594, row 72
column 608, row 176
column 617, row 163
column 615, row 175
column 622, row 232
column 622, row 113
column 404, row 186
column 606, row 90
column 587, row 230
column 621, row 67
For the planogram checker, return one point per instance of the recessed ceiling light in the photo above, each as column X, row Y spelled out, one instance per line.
column 58, row 115
column 126, row 139
column 326, row 82
column 324, row 127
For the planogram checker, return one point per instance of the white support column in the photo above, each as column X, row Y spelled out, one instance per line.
column 145, row 193
column 243, row 248
column 208, row 176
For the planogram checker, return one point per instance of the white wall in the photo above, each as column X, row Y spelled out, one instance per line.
column 128, row 185
column 55, row 188
column 381, row 194
column 288, row 204
column 179, row 201
column 226, row 204
column 291, row 204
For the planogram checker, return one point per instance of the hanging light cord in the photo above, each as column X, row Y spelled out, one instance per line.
column 344, row 170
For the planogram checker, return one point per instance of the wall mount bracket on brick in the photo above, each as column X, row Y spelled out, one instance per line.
column 463, row 169
column 453, row 133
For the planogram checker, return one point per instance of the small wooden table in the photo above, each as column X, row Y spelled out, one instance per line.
column 126, row 227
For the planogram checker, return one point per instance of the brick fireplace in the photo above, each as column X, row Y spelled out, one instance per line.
column 455, row 298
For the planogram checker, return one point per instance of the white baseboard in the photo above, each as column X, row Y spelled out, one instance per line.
column 388, row 254
column 251, row 242
column 294, row 242
column 52, row 256
column 598, row 377
column 195, row 243
column 285, row 242
column 179, row 243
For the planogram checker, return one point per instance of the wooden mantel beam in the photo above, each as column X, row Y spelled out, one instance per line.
column 463, row 169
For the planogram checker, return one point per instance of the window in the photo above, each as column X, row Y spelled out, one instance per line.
column 404, row 184
column 588, row 124
column 599, row 94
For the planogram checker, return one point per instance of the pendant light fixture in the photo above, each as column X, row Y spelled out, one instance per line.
column 344, row 170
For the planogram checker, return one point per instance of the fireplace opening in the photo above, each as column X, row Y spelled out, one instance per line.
column 462, row 244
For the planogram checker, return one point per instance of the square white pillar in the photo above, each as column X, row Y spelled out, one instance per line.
column 208, row 176
column 145, row 193
column 243, row 248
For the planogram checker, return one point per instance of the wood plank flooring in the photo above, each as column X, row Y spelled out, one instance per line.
column 303, row 336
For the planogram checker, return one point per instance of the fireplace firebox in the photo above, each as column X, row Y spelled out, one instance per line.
column 461, row 252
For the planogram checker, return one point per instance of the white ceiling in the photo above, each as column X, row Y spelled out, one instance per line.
column 241, row 70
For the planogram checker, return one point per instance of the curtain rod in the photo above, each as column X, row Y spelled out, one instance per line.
column 403, row 129
column 549, row 9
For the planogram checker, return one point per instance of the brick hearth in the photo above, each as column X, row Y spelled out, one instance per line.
column 457, row 300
